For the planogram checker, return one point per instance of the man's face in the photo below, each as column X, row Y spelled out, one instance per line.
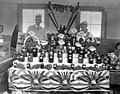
column 118, row 47
column 83, row 26
column 38, row 20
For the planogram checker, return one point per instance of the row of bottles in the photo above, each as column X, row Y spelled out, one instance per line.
column 71, row 54
column 64, row 47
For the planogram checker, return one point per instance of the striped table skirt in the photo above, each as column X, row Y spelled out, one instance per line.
column 58, row 80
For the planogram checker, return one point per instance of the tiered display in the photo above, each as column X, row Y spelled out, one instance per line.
column 63, row 63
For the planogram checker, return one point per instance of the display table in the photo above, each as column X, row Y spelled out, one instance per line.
column 37, row 79
column 58, row 69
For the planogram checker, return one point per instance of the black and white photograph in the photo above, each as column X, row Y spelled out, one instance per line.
column 59, row 46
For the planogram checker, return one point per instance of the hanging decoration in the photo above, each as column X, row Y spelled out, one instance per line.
column 62, row 8
column 52, row 16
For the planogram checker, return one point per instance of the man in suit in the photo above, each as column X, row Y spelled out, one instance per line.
column 39, row 31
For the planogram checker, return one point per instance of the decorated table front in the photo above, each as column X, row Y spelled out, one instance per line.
column 50, row 79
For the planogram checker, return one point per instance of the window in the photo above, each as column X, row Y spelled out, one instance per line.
column 26, row 15
column 29, row 18
column 95, row 17
column 94, row 21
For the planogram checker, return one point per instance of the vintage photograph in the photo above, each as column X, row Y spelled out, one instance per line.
column 60, row 46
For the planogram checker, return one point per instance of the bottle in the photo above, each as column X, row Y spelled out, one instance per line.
column 22, row 58
column 92, row 53
column 53, row 42
column 61, row 44
column 60, row 30
column 107, row 66
column 34, row 51
column 69, row 46
column 59, row 53
column 110, row 67
column 73, row 40
column 30, row 57
column 78, row 49
column 43, row 52
column 103, row 67
column 90, row 60
column 70, row 58
column 51, row 55
column 98, row 60
column 24, row 51
column 15, row 64
column 64, row 28
column 82, row 51
column 55, row 66
column 60, row 57
column 102, row 58
column 106, row 59
column 42, row 66
column 41, row 58
column 85, row 52
column 95, row 54
column 28, row 65
column 80, row 58
column 18, row 57
column 117, row 67
column 81, row 41
column 83, row 66
column 96, row 66
column 70, row 54
column 72, row 66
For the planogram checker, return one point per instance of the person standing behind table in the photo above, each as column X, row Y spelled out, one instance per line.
column 39, row 31
column 84, row 33
column 117, row 50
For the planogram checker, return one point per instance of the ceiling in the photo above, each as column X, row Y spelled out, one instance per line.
column 105, row 3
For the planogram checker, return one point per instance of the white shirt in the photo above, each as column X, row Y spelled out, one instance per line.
column 84, row 35
column 40, row 32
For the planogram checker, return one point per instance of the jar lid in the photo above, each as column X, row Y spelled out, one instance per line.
column 61, row 42
column 74, row 30
column 92, row 48
column 78, row 44
column 43, row 42
column 61, row 35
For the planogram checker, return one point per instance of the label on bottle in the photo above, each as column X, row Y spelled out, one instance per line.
column 85, row 60
column 80, row 59
column 75, row 58
column 30, row 59
column 40, row 58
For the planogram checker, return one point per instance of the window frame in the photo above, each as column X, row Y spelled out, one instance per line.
column 21, row 6
column 94, row 9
